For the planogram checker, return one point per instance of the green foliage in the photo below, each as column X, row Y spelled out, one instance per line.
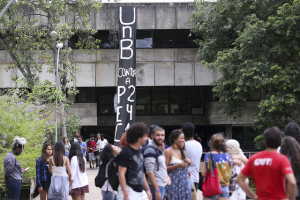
column 255, row 45
column 73, row 125
column 25, row 116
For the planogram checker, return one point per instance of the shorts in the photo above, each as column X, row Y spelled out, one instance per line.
column 81, row 190
column 224, row 194
column 91, row 157
column 132, row 194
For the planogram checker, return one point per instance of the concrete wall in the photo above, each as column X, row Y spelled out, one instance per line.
column 155, row 67
column 87, row 112
column 149, row 16
column 213, row 116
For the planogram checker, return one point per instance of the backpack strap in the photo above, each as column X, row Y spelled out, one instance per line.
column 156, row 155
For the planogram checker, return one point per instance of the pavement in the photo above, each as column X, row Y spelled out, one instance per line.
column 95, row 193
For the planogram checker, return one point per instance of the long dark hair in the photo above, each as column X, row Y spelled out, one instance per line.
column 292, row 129
column 107, row 154
column 291, row 148
column 58, row 153
column 76, row 151
column 174, row 135
column 44, row 153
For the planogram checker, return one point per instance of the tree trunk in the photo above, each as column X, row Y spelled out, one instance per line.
column 63, row 121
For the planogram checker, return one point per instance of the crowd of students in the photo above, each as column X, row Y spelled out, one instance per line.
column 147, row 170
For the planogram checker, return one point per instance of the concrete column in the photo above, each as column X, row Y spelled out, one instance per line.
column 229, row 131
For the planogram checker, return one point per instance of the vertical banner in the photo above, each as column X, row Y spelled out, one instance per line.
column 126, row 74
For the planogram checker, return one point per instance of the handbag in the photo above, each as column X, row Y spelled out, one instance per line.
column 96, row 152
column 211, row 185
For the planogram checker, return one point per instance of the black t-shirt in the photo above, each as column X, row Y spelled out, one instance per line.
column 133, row 160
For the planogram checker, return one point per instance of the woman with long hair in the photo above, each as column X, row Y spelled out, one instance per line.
column 67, row 145
column 291, row 148
column 239, row 160
column 79, row 180
column 43, row 176
column 12, row 169
column 177, row 167
column 223, row 163
column 293, row 130
column 59, row 165
column 107, row 154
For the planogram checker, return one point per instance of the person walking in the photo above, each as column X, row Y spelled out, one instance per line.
column 59, row 165
column 131, row 175
column 91, row 147
column 107, row 154
column 12, row 169
column 269, row 170
column 288, row 148
column 194, row 151
column 177, row 166
column 67, row 145
column 43, row 176
column 75, row 138
column 223, row 163
column 239, row 160
column 155, row 164
column 100, row 145
column 82, row 145
column 79, row 180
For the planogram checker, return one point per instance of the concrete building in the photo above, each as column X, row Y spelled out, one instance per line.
column 173, row 87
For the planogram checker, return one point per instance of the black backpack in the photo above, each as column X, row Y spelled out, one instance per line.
column 101, row 178
column 156, row 155
column 112, row 171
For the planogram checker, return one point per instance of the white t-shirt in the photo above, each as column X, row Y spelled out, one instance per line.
column 194, row 153
column 79, row 178
column 101, row 144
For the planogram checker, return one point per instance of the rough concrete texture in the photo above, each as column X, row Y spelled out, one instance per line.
column 87, row 113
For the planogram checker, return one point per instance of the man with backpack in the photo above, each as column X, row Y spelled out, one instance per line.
column 155, row 164
column 133, row 184
column 91, row 147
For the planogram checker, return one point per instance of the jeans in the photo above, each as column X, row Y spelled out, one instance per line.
column 196, row 186
column 161, row 189
column 107, row 195
column 13, row 189
column 224, row 194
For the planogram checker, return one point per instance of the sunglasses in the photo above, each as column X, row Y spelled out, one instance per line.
column 79, row 139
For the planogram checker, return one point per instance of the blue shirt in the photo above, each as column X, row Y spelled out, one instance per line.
column 84, row 145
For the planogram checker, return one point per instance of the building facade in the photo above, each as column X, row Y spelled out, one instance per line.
column 173, row 87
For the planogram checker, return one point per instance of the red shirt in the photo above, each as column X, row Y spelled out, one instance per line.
column 268, row 170
column 91, row 144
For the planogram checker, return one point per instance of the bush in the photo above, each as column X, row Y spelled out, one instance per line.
column 23, row 116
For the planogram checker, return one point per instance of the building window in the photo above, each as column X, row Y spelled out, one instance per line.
column 144, row 39
column 105, row 96
column 85, row 95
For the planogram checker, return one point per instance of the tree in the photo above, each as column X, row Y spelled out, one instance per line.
column 23, row 115
column 25, row 34
column 255, row 45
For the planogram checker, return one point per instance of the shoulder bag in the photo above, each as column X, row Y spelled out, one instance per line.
column 211, row 185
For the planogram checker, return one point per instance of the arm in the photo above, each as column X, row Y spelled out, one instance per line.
column 173, row 167
column 122, row 181
column 50, row 165
column 146, row 187
column 84, row 148
column 69, row 172
column 149, row 163
column 291, row 188
column 203, row 172
column 38, row 174
column 241, row 181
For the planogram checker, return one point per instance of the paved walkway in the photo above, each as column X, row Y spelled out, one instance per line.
column 95, row 193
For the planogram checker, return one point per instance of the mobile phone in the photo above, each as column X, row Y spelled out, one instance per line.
column 25, row 170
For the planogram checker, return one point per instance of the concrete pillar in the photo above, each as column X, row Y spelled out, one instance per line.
column 229, row 131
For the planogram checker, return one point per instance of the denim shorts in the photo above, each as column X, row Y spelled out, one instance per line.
column 224, row 194
column 13, row 189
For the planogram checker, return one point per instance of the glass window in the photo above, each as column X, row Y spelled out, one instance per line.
column 160, row 100
column 144, row 39
column 85, row 95
column 245, row 136
column 178, row 100
column 106, row 100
